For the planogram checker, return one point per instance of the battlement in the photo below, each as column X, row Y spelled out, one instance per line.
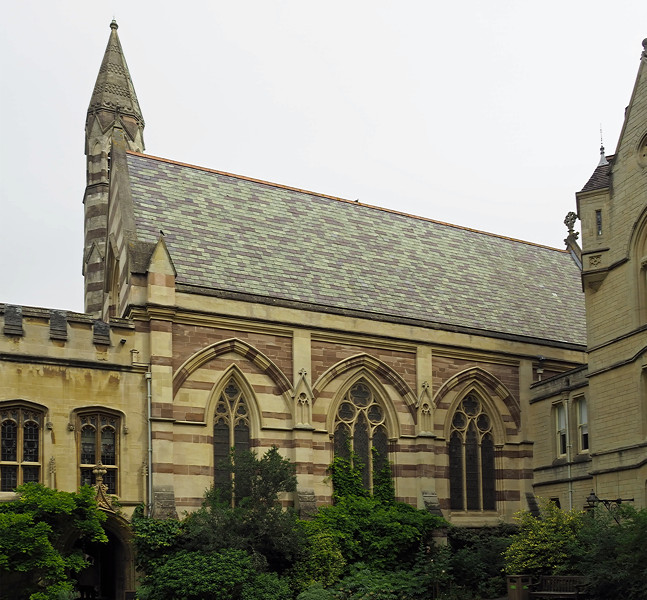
column 65, row 335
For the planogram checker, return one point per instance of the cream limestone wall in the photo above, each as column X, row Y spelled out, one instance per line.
column 64, row 376
column 616, row 307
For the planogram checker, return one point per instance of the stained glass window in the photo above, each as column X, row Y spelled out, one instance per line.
column 472, row 475
column 230, row 430
column 360, row 432
column 99, row 436
column 20, row 446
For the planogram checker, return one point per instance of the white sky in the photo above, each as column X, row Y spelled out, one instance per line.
column 483, row 114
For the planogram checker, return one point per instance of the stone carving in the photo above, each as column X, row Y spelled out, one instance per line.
column 595, row 260
column 303, row 397
column 430, row 500
column 307, row 503
column 569, row 221
column 164, row 503
column 103, row 499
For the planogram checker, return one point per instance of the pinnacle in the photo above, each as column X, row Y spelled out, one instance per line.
column 114, row 90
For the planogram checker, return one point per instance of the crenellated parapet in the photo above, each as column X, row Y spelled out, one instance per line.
column 58, row 336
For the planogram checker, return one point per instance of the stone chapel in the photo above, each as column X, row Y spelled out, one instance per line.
column 224, row 311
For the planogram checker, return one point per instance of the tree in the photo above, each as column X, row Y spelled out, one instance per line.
column 34, row 564
column 241, row 522
column 612, row 553
column 545, row 545
column 257, row 522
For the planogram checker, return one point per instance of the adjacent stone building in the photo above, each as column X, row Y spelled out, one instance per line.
column 596, row 416
column 226, row 311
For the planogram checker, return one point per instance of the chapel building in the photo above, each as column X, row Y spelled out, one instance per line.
column 224, row 311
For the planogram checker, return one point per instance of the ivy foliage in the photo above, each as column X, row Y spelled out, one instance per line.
column 378, row 534
column 346, row 476
column 34, row 529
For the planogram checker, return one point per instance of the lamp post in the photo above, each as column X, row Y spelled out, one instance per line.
column 592, row 501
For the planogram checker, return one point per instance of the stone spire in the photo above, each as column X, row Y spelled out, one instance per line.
column 113, row 125
column 114, row 101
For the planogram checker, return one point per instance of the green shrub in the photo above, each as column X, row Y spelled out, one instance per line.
column 477, row 558
column 198, row 576
column 34, row 560
column 547, row 544
column 383, row 536
column 316, row 592
column 612, row 554
column 266, row 586
column 322, row 561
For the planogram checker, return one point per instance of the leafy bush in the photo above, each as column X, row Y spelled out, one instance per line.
column 613, row 554
column 383, row 536
column 266, row 586
column 477, row 558
column 322, row 561
column 316, row 592
column 199, row 576
column 256, row 523
column 545, row 545
column 33, row 561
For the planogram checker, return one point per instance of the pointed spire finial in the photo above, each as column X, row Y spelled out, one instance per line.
column 113, row 25
column 603, row 158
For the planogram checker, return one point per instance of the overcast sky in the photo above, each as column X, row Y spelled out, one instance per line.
column 482, row 114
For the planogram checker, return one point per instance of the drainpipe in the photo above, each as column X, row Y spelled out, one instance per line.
column 149, row 397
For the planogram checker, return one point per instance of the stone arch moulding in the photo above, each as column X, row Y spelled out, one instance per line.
column 392, row 421
column 638, row 251
column 233, row 372
column 98, row 408
column 239, row 347
column 489, row 388
column 372, row 365
column 26, row 403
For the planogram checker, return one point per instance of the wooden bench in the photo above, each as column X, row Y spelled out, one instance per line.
column 559, row 587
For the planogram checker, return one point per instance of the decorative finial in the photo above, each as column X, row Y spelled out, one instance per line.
column 603, row 158
column 113, row 25
column 645, row 48
column 569, row 221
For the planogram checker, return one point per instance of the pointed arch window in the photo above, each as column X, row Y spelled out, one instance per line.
column 360, row 432
column 98, row 443
column 20, row 444
column 472, row 484
column 230, row 430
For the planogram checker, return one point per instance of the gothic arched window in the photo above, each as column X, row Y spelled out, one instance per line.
column 471, row 458
column 20, row 455
column 230, row 430
column 360, row 432
column 99, row 436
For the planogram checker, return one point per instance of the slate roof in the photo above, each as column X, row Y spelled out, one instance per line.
column 599, row 178
column 243, row 236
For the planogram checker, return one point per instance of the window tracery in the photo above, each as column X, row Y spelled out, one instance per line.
column 230, row 429
column 99, row 437
column 471, row 457
column 360, row 432
column 20, row 443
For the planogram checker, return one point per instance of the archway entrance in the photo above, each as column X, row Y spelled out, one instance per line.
column 110, row 574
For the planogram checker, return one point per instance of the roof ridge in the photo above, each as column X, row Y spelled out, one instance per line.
column 339, row 199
